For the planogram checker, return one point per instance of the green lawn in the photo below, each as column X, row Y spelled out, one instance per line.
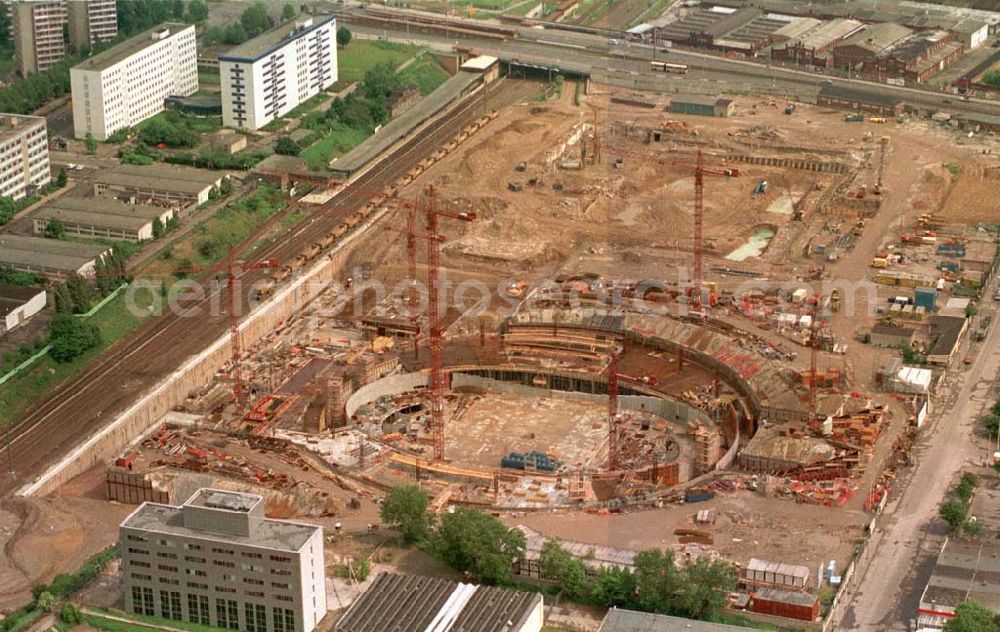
column 137, row 621
column 208, row 75
column 340, row 140
column 425, row 74
column 360, row 55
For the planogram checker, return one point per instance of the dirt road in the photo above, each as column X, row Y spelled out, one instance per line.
column 911, row 534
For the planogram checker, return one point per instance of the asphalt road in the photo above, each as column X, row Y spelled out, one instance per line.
column 569, row 50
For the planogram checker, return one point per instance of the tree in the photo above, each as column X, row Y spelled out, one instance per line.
column 254, row 19
column 226, row 187
column 90, row 143
column 971, row 617
column 953, row 512
column 971, row 310
column 613, row 587
column 380, row 82
column 286, row 146
column 71, row 337
column 557, row 564
column 344, row 36
column 973, row 527
column 46, row 601
column 966, row 486
column 704, row 587
column 158, row 228
column 61, row 299
column 472, row 541
column 70, row 614
column 61, row 178
column 287, row 13
column 197, row 12
column 170, row 130
column 79, row 293
column 54, row 229
column 405, row 509
column 657, row 580
column 992, row 77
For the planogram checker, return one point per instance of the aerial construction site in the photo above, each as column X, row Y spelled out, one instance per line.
column 618, row 317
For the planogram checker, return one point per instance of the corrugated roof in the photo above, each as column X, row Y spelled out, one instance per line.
column 107, row 206
column 159, row 177
column 878, row 37
column 785, row 596
column 407, row 602
column 618, row 620
column 860, row 95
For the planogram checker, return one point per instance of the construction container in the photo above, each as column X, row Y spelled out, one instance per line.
column 925, row 297
column 880, row 262
column 697, row 497
column 782, row 603
column 799, row 296
column 951, row 250
column 950, row 266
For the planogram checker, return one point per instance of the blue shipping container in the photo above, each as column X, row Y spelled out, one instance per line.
column 925, row 297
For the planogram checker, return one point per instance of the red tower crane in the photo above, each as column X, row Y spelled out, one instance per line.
column 613, row 412
column 236, row 344
column 813, row 350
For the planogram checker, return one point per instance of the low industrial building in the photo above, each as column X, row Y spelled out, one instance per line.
column 594, row 557
column 158, row 184
column 853, row 98
column 972, row 33
column 759, row 574
column 409, row 602
column 785, row 603
column 217, row 560
column 891, row 336
column 618, row 620
column 965, row 571
column 18, row 304
column 702, row 106
column 916, row 59
column 49, row 257
column 869, row 44
column 741, row 31
column 100, row 217
column 946, row 333
column 812, row 47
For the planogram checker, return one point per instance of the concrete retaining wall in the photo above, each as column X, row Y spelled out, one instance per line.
column 132, row 425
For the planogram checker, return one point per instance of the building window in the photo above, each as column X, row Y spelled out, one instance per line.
column 170, row 605
column 280, row 558
column 280, row 585
column 198, row 609
column 225, row 564
column 197, row 572
column 253, row 580
column 138, row 551
column 135, row 538
column 256, row 616
column 227, row 614
column 284, row 619
column 222, row 551
column 145, row 578
column 191, row 558
column 255, row 556
column 192, row 547
column 168, row 556
column 142, row 601
column 164, row 567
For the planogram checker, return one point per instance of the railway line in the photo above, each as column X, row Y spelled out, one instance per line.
column 80, row 406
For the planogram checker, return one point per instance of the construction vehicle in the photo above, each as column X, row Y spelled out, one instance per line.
column 790, row 109
column 760, row 188
column 854, row 118
column 877, row 119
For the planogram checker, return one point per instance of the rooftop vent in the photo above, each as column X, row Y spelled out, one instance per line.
column 231, row 502
column 159, row 34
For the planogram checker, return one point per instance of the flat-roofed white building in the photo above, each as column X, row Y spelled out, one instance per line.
column 24, row 154
column 271, row 74
column 101, row 217
column 216, row 560
column 128, row 83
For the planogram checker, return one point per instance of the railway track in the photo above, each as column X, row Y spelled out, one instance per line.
column 80, row 406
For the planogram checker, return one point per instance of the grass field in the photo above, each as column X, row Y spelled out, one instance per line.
column 340, row 140
column 208, row 75
column 425, row 74
column 357, row 57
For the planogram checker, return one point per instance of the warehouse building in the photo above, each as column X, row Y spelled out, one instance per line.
column 24, row 152
column 618, row 620
column 971, row 33
column 409, row 602
column 812, row 48
column 702, row 105
column 159, row 184
column 916, row 59
column 853, row 98
column 869, row 44
column 946, row 333
column 49, row 257
column 270, row 75
column 743, row 31
column 100, row 217
column 129, row 82
column 18, row 304
column 217, row 560
column 891, row 336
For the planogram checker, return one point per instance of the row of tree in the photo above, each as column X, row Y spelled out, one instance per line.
column 474, row 542
column 955, row 509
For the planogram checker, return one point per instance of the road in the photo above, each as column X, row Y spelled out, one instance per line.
column 910, row 534
column 87, row 402
column 583, row 51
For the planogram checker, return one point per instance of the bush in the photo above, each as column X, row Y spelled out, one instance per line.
column 953, row 512
column 71, row 337
column 286, row 146
column 405, row 509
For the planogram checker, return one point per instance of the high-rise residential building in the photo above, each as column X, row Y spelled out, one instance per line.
column 129, row 82
column 216, row 560
column 269, row 75
column 90, row 22
column 37, row 29
column 24, row 154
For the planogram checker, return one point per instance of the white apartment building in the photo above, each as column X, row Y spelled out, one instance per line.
column 24, row 154
column 91, row 21
column 128, row 83
column 271, row 74
column 216, row 560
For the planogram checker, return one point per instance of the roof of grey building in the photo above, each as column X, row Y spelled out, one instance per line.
column 129, row 47
column 266, row 43
column 785, row 596
column 969, row 26
column 797, row 28
column 860, row 95
column 966, row 570
column 878, row 37
column 12, row 125
column 947, row 331
column 891, row 330
column 37, row 252
column 403, row 124
column 910, row 13
column 269, row 534
column 697, row 99
column 105, row 206
column 618, row 620
column 92, row 218
column 830, row 32
column 409, row 602
column 14, row 296
column 159, row 177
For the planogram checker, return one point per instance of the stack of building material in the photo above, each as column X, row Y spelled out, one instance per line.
column 860, row 429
